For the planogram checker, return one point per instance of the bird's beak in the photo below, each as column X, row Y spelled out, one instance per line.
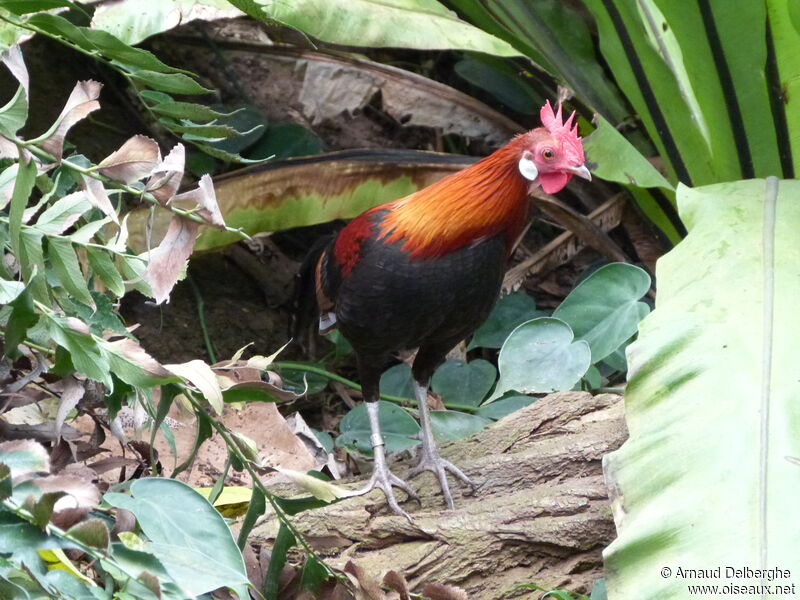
column 581, row 171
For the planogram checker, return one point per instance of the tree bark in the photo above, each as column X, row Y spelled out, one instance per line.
column 540, row 513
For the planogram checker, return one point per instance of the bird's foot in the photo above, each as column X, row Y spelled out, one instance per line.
column 431, row 461
column 383, row 479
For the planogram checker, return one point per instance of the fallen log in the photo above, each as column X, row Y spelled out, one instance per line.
column 540, row 513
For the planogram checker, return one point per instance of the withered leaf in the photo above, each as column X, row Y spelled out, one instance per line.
column 367, row 588
column 12, row 58
column 133, row 352
column 203, row 378
column 167, row 175
column 73, row 392
column 438, row 591
column 205, row 197
column 81, row 102
column 92, row 532
column 398, row 583
column 135, row 159
column 167, row 260
column 98, row 196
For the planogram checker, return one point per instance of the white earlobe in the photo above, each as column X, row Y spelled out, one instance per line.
column 528, row 168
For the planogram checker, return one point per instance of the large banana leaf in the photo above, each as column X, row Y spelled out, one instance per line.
column 712, row 81
column 301, row 191
column 710, row 475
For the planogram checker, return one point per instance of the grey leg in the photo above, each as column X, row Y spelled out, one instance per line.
column 382, row 477
column 429, row 456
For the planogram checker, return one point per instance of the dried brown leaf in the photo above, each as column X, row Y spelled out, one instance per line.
column 92, row 532
column 73, row 392
column 98, row 196
column 77, row 325
column 81, row 102
column 438, row 591
column 132, row 351
column 205, row 197
column 366, row 587
column 134, row 160
column 12, row 58
column 167, row 175
column 79, row 497
column 168, row 259
column 398, row 583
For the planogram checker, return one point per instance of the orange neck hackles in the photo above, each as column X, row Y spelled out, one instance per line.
column 484, row 200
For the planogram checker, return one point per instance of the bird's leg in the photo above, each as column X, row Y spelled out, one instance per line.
column 382, row 477
column 429, row 459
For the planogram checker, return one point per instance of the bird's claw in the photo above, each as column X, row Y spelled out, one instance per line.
column 385, row 480
column 431, row 461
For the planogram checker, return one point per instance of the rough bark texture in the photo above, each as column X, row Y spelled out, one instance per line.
column 540, row 513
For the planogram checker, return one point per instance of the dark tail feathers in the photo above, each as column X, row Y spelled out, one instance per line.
column 304, row 301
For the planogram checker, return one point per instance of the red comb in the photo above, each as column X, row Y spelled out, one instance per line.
column 564, row 131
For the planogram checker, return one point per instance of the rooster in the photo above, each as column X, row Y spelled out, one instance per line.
column 424, row 272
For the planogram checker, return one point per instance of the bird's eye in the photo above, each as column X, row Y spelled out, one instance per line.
column 548, row 154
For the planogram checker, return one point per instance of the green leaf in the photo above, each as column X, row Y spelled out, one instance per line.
column 23, row 186
column 509, row 312
column 183, row 110
column 14, row 113
column 209, row 132
column 65, row 264
column 92, row 532
column 397, row 427
column 96, row 40
column 63, row 213
column 86, row 355
column 604, row 309
column 256, row 507
column 175, row 83
column 725, row 327
column 502, row 80
column 419, row 24
column 103, row 266
column 23, row 317
column 450, row 425
column 460, row 382
column 314, row 574
column 280, row 550
column 133, row 22
column 284, row 141
column 31, row 258
column 9, row 290
column 555, row 35
column 504, row 406
column 541, row 356
column 24, row 7
column 397, row 381
column 614, row 158
column 179, row 523
column 23, row 457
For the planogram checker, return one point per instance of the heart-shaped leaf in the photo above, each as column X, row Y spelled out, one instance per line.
column 541, row 356
column 397, row 427
column 604, row 309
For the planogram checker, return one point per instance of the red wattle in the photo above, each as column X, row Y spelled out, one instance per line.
column 554, row 182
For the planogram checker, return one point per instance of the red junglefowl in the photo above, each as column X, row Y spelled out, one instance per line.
column 424, row 272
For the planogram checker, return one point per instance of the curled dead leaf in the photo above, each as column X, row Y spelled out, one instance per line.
column 98, row 196
column 366, row 588
column 168, row 259
column 204, row 197
column 132, row 351
column 82, row 101
column 73, row 392
column 438, row 591
column 398, row 583
column 167, row 174
column 12, row 58
column 134, row 160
